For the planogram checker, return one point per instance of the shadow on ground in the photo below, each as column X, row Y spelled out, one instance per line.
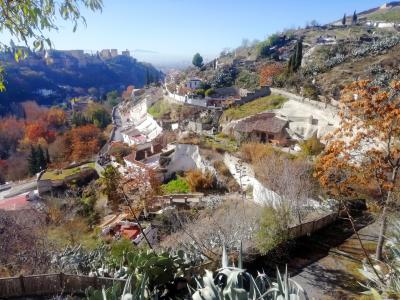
column 326, row 262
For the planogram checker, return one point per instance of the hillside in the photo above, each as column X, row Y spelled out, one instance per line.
column 388, row 12
column 332, row 56
column 53, row 78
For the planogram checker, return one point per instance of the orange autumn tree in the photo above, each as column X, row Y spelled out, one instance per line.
column 84, row 142
column 35, row 131
column 126, row 95
column 268, row 72
column 365, row 150
column 56, row 117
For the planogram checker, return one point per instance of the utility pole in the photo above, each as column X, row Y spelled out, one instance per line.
column 136, row 220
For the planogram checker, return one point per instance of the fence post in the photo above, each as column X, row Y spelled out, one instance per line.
column 21, row 281
column 61, row 281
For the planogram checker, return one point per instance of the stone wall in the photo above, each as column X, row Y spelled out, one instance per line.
column 250, row 96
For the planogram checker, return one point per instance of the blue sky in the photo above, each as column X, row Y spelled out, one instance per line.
column 183, row 27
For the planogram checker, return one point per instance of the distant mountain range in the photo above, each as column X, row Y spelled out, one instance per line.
column 52, row 77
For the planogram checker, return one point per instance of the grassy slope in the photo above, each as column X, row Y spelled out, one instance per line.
column 161, row 108
column 55, row 175
column 58, row 235
column 253, row 107
column 391, row 15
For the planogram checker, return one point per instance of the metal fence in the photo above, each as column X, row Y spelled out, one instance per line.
column 51, row 284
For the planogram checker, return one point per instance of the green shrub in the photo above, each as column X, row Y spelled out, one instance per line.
column 264, row 47
column 248, row 80
column 119, row 249
column 209, row 92
column 199, row 92
column 177, row 186
column 311, row 91
column 312, row 146
column 273, row 229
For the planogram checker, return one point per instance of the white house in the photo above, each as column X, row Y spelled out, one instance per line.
column 386, row 25
column 193, row 83
column 380, row 24
column 132, row 136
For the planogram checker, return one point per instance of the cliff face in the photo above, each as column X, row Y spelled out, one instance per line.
column 52, row 78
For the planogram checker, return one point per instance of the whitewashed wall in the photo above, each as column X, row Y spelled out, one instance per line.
column 187, row 157
column 261, row 194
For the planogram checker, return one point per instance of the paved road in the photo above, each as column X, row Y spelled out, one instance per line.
column 19, row 188
column 118, row 126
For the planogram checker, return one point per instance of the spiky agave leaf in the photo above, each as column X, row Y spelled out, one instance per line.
column 209, row 291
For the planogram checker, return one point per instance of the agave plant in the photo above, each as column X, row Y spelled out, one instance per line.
column 236, row 283
column 130, row 291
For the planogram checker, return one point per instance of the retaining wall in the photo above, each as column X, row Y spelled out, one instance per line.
column 321, row 105
column 308, row 228
column 262, row 92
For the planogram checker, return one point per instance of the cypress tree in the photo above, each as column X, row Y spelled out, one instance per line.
column 33, row 162
column 47, row 156
column 355, row 18
column 344, row 20
column 290, row 64
column 299, row 55
column 41, row 159
column 296, row 58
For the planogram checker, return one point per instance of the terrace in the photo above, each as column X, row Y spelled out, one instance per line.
column 64, row 173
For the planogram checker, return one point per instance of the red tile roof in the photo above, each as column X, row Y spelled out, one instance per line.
column 130, row 233
column 14, row 203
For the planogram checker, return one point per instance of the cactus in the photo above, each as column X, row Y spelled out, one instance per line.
column 130, row 292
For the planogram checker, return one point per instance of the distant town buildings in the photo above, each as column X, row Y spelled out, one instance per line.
column 126, row 53
column 111, row 53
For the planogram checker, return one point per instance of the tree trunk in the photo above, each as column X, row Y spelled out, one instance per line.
column 382, row 232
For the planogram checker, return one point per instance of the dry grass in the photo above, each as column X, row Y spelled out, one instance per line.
column 254, row 152
column 232, row 221
column 346, row 73
column 390, row 15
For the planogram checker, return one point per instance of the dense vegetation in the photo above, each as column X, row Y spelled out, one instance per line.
column 52, row 82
